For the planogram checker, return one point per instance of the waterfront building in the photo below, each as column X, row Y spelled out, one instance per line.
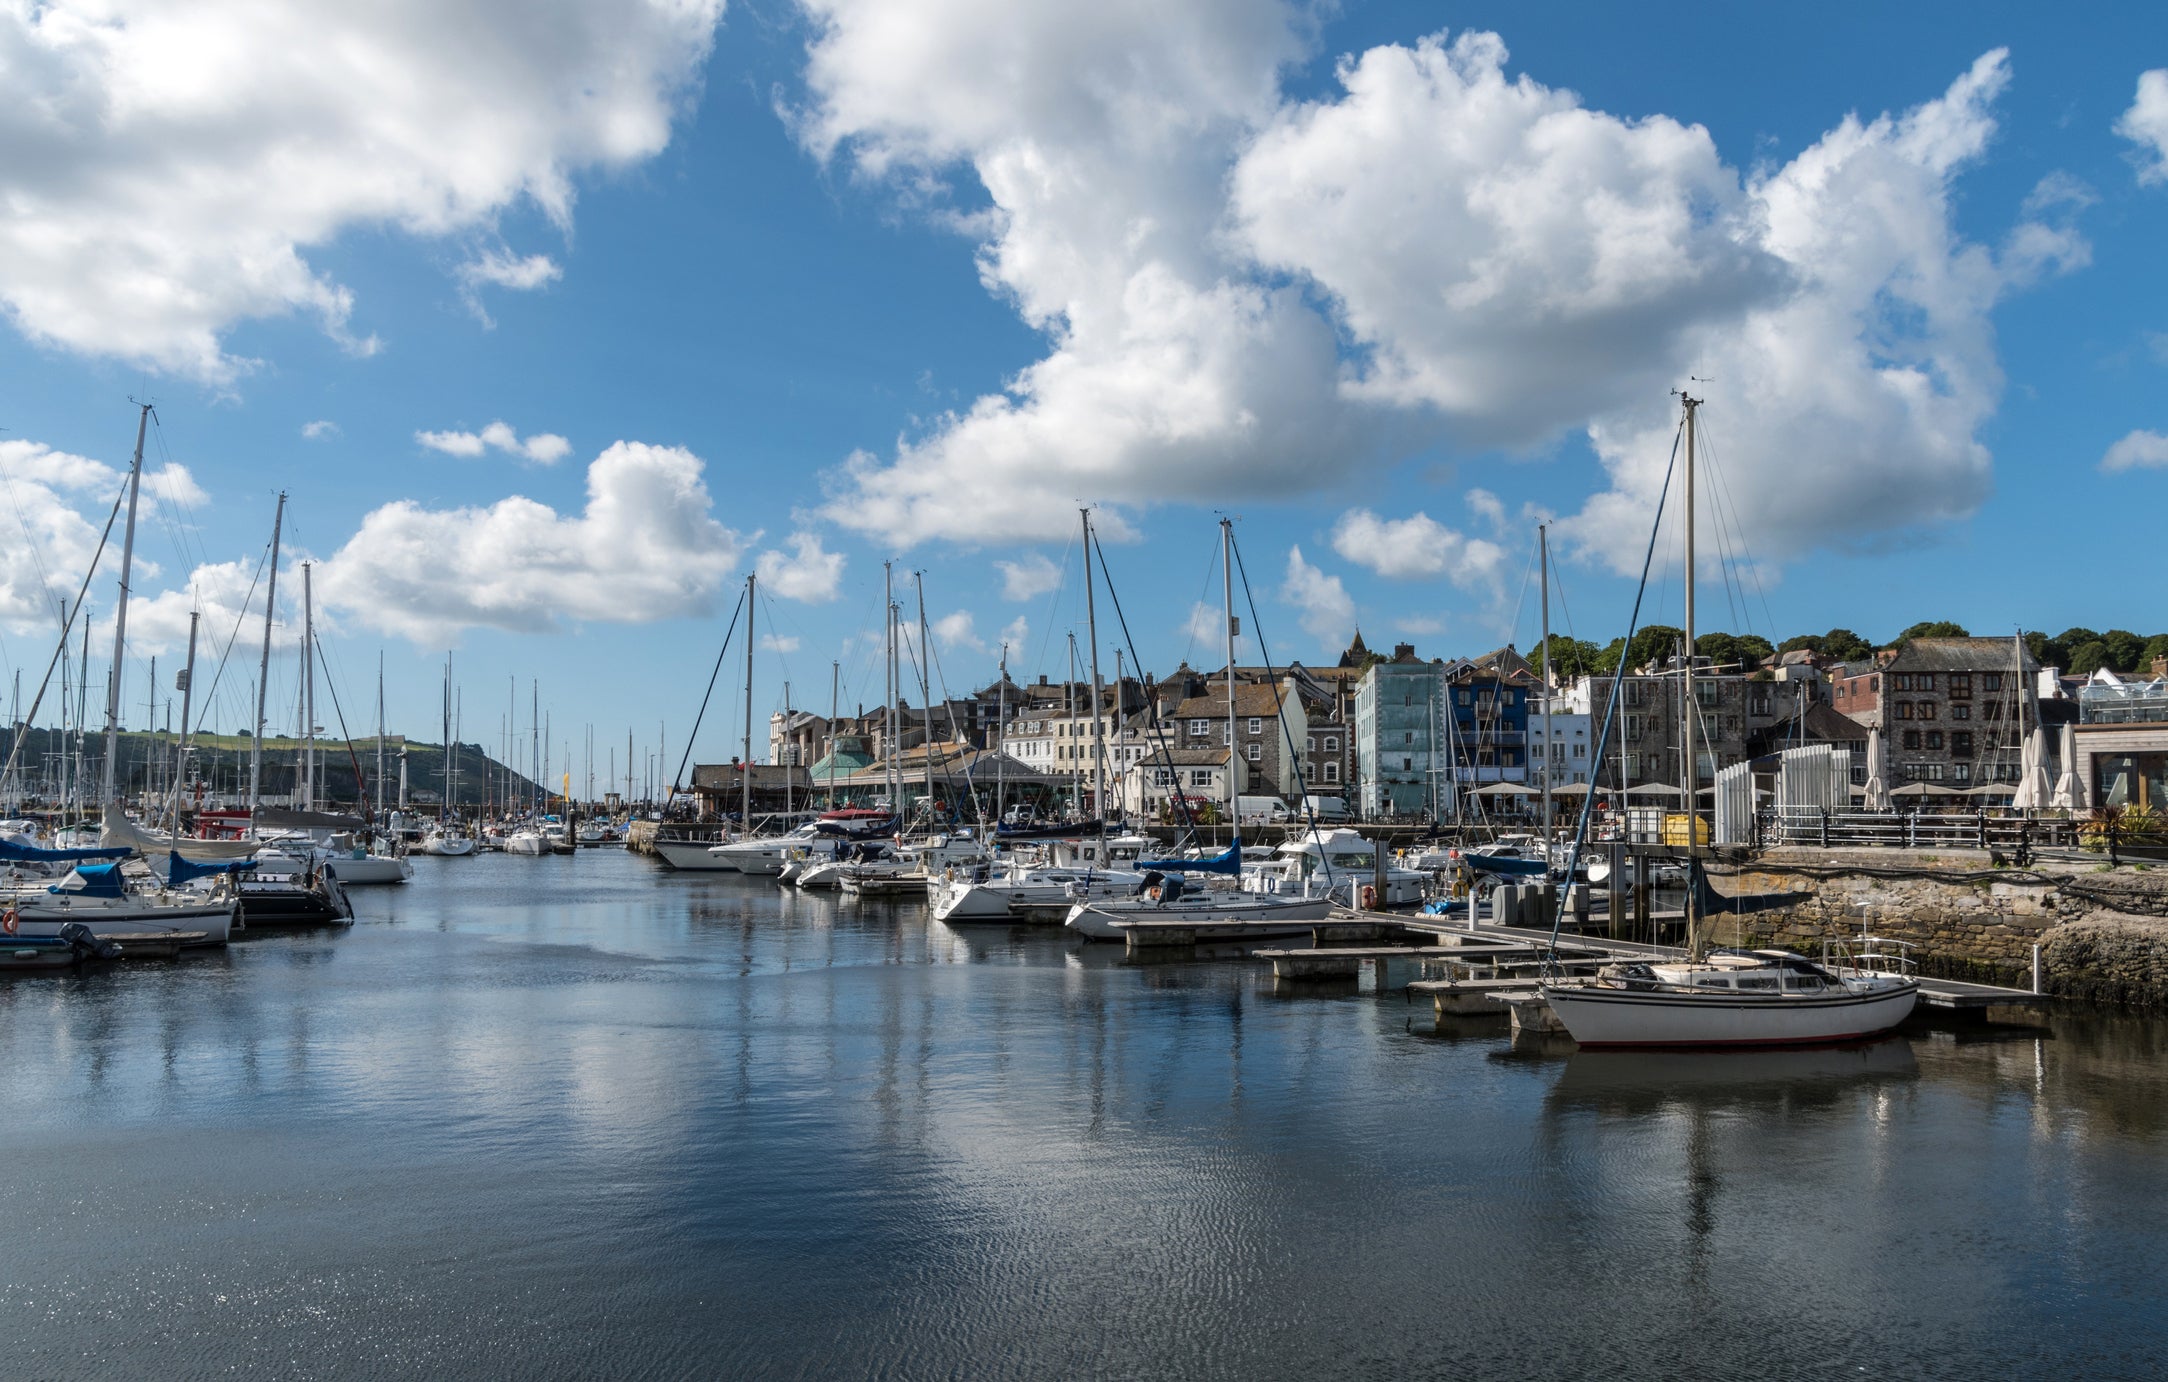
column 2120, row 743
column 1952, row 711
column 1148, row 787
column 1398, row 711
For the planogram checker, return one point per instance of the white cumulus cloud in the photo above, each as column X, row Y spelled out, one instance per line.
column 319, row 429
column 543, row 448
column 1028, row 577
column 958, row 630
column 647, row 546
column 1246, row 293
column 170, row 167
column 1415, row 548
column 1327, row 611
column 781, row 642
column 807, row 572
column 2146, row 125
column 2138, row 451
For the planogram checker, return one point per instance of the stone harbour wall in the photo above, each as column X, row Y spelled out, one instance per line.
column 2103, row 933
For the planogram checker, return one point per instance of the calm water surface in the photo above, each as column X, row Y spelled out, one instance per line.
column 578, row 1117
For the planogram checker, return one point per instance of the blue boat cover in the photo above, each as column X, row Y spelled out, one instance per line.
column 1228, row 862
column 12, row 853
column 99, row 880
column 1506, row 865
column 179, row 870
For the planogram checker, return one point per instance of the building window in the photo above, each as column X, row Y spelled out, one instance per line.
column 1912, row 739
column 1332, row 742
column 1705, row 693
column 1904, row 710
column 1991, row 711
column 1932, row 772
column 1200, row 777
column 1960, row 712
column 1509, row 759
column 1961, row 744
column 1410, row 737
column 1934, row 738
column 1407, row 765
column 1257, row 725
column 1332, row 771
column 1991, row 681
column 1467, row 698
column 1960, row 687
column 1199, row 726
column 1927, row 710
column 1257, row 753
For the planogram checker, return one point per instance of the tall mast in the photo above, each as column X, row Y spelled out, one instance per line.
column 835, row 692
column 308, row 690
column 1543, row 548
column 263, row 671
column 1227, row 592
column 380, row 733
column 1091, row 631
column 1001, row 729
column 444, row 763
column 188, row 690
column 925, row 694
column 888, row 673
column 1076, row 766
column 745, row 778
column 789, row 753
column 120, row 616
column 1689, row 768
column 534, row 746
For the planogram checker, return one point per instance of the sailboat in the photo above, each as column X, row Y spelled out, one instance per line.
column 1214, row 914
column 1726, row 997
column 1083, row 863
column 448, row 838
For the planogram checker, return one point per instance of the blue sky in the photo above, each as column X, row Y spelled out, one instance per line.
column 1327, row 270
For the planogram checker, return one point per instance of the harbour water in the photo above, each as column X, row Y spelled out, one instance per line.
column 582, row 1117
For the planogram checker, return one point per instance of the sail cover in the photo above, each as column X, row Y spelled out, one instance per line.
column 13, row 853
column 1228, row 862
column 118, row 830
column 180, row 871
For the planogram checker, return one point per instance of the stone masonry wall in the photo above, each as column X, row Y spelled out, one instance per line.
column 2103, row 933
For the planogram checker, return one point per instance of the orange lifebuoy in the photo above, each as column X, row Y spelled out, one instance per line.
column 9, row 919
column 1369, row 898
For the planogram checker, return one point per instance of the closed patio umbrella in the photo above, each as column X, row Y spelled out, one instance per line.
column 1877, row 793
column 2069, row 790
column 2033, row 790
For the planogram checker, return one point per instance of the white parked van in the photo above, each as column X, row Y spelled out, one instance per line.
column 1324, row 808
column 1260, row 810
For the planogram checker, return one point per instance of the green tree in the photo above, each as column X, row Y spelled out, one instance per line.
column 2126, row 648
column 1741, row 652
column 2048, row 652
column 1846, row 646
column 2091, row 658
column 1570, row 657
column 2073, row 639
column 2156, row 646
column 1940, row 628
column 1806, row 641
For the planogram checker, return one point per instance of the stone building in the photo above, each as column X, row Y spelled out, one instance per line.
column 1951, row 710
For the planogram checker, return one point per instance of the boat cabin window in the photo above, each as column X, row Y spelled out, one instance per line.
column 1355, row 861
column 1806, row 983
column 1713, row 981
column 1759, row 982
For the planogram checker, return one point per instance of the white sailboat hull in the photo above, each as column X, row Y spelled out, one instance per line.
column 447, row 846
column 763, row 858
column 1002, row 899
column 1214, row 917
column 530, row 845
column 127, row 916
column 1595, row 1015
column 694, row 856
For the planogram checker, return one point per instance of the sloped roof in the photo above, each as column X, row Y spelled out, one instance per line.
column 1820, row 725
column 1962, row 655
column 1184, row 758
column 1250, row 700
